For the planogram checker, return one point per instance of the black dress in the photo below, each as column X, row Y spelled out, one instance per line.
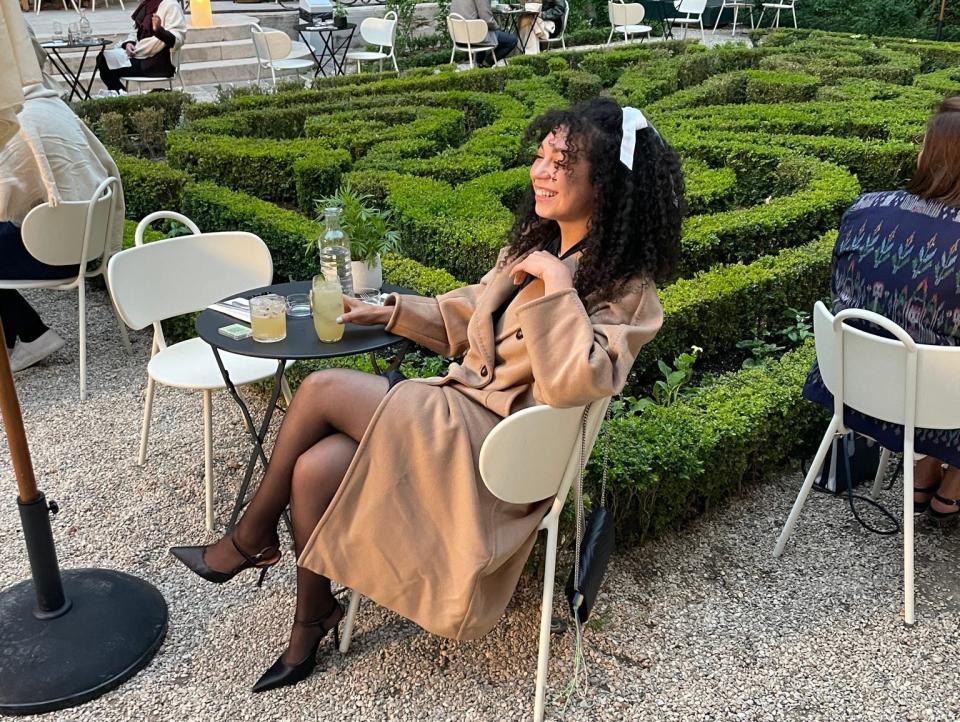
column 156, row 66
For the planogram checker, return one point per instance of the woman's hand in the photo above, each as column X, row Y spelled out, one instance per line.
column 363, row 314
column 545, row 266
column 129, row 46
column 156, row 23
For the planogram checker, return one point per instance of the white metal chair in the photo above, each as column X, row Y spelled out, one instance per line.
column 72, row 233
column 531, row 455
column 274, row 50
column 694, row 10
column 93, row 5
column 175, row 59
column 778, row 6
column 626, row 18
column 468, row 36
column 380, row 32
column 181, row 275
column 72, row 2
column 563, row 31
column 736, row 6
column 919, row 388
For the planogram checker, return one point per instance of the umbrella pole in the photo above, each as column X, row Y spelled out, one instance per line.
column 59, row 650
column 34, row 509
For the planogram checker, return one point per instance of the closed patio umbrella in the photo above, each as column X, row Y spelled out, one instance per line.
column 64, row 638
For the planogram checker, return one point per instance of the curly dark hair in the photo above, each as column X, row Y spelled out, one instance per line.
column 635, row 228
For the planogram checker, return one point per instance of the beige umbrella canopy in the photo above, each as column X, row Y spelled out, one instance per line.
column 16, row 52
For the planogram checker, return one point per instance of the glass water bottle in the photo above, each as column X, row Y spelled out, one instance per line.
column 335, row 251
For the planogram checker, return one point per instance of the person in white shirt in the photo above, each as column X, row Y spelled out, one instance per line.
column 54, row 157
column 160, row 30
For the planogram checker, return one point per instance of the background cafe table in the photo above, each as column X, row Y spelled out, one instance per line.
column 333, row 44
column 301, row 343
column 53, row 47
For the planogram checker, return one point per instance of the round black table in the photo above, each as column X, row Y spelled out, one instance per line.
column 335, row 47
column 53, row 48
column 300, row 344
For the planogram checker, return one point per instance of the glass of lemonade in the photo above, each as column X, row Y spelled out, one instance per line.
column 268, row 318
column 326, row 301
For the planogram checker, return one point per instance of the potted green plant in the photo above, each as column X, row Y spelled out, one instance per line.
column 369, row 230
column 339, row 15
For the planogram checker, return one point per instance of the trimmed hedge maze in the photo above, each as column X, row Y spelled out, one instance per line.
column 776, row 140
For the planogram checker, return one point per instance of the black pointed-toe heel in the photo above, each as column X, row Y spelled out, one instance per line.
column 919, row 507
column 193, row 559
column 282, row 674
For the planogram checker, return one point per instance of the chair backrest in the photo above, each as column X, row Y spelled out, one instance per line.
column 691, row 7
column 466, row 32
column 380, row 31
column 535, row 453
column 72, row 232
column 185, row 274
column 892, row 379
column 625, row 13
column 270, row 44
column 145, row 222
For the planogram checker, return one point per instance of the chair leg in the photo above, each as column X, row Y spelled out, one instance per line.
column 736, row 12
column 546, row 612
column 760, row 20
column 349, row 621
column 908, row 591
column 794, row 13
column 719, row 14
column 881, row 470
column 395, row 66
column 807, row 484
column 610, row 37
column 147, row 413
column 285, row 390
column 208, row 455
column 703, row 34
column 563, row 42
column 82, row 304
column 776, row 19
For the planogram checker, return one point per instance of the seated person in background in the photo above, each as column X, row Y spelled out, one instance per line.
column 896, row 255
column 549, row 24
column 481, row 10
column 160, row 30
column 53, row 158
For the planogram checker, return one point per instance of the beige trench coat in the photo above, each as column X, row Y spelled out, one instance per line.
column 412, row 526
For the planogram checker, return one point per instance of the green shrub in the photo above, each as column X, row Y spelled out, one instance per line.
column 171, row 104
column 285, row 232
column 673, row 462
column 150, row 186
column 283, row 171
column 715, row 308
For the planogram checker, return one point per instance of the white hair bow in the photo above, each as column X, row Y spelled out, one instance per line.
column 633, row 120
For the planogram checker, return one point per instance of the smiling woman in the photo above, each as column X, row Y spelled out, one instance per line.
column 381, row 474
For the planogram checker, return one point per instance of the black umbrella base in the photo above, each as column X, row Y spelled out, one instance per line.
column 114, row 626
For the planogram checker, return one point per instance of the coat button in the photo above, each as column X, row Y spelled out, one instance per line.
column 519, row 334
column 483, row 371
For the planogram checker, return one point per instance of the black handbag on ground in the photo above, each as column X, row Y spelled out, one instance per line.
column 852, row 460
column 594, row 542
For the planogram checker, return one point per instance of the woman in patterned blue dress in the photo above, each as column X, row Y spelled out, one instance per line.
column 898, row 254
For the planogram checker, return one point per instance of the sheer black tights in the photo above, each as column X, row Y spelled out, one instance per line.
column 317, row 441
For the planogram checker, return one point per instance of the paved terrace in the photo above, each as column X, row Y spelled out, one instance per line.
column 698, row 625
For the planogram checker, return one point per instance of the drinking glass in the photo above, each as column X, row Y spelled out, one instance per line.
column 298, row 304
column 370, row 296
column 326, row 300
column 57, row 31
column 268, row 318
column 73, row 32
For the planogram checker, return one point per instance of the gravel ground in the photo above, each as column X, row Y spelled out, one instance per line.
column 698, row 625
